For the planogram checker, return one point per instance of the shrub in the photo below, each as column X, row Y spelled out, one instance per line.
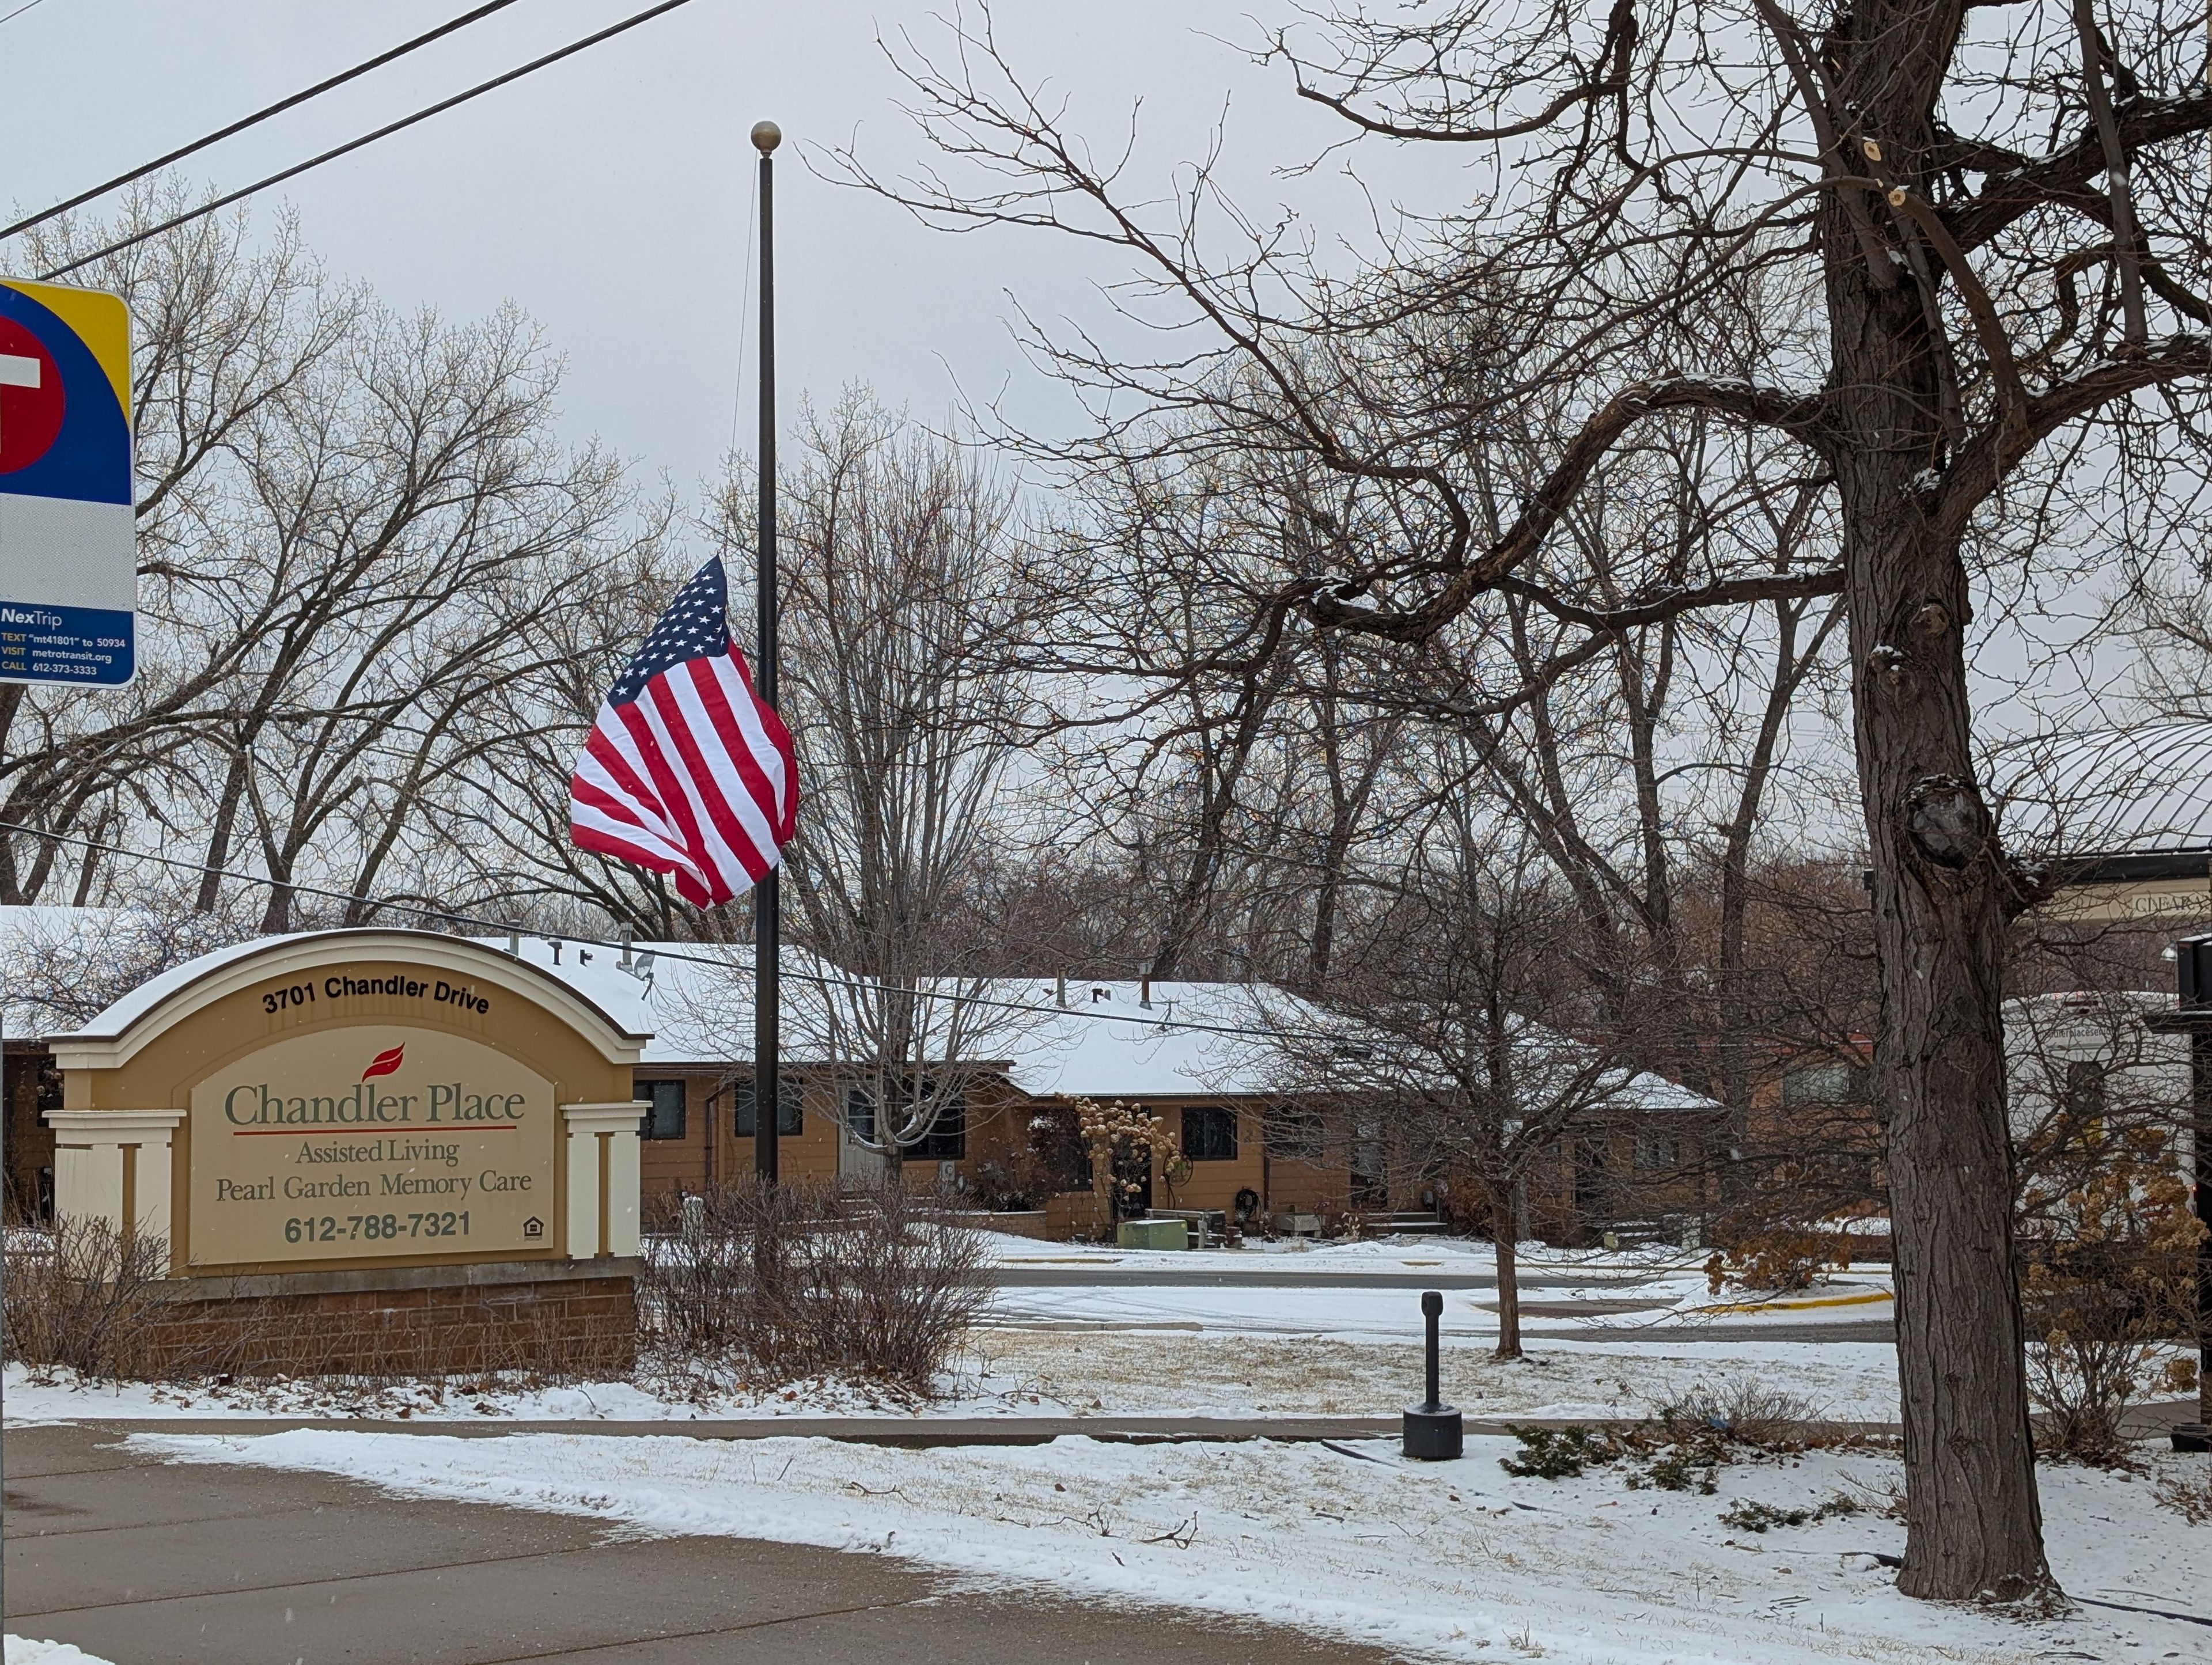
column 1742, row 1412
column 1763, row 1517
column 1781, row 1259
column 2110, row 1283
column 1683, row 1448
column 1558, row 1454
column 85, row 1299
column 780, row 1283
column 2188, row 1495
column 1124, row 1144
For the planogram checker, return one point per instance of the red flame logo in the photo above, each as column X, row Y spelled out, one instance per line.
column 384, row 1063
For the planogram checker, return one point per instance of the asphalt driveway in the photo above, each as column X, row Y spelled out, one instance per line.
column 147, row 1563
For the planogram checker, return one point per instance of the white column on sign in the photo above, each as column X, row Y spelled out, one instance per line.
column 603, row 1181
column 114, row 1166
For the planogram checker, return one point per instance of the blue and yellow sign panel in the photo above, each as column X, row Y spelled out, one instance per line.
column 69, row 557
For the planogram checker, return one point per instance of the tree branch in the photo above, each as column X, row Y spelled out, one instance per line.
column 1619, row 41
column 2065, row 174
column 1798, row 415
column 1724, row 592
column 1984, row 463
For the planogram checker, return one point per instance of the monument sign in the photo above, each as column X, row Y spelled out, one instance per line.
column 349, row 1114
column 305, row 1151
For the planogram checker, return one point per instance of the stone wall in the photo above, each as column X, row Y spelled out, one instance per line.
column 565, row 1319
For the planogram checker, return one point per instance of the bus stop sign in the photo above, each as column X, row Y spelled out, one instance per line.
column 69, row 557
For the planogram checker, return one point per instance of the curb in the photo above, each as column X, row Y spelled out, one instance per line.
column 1872, row 1299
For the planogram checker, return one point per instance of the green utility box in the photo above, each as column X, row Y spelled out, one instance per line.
column 1152, row 1234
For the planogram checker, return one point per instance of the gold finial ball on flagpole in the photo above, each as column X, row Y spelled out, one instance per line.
column 766, row 137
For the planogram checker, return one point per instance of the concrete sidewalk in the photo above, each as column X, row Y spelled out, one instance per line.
column 147, row 1563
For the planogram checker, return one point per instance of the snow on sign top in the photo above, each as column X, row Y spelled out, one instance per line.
column 68, row 561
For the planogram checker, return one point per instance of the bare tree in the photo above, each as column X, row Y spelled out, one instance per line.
column 367, row 564
column 906, row 579
column 409, row 504
column 1669, row 186
column 1465, row 1022
column 222, row 332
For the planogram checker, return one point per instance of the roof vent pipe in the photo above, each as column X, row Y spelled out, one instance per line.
column 1145, row 993
column 514, row 942
column 628, row 937
column 1060, row 988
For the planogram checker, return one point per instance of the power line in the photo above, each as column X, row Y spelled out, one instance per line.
column 276, row 109
column 20, row 10
column 645, row 16
column 850, row 984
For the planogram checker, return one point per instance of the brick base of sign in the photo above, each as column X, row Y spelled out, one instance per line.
column 560, row 1319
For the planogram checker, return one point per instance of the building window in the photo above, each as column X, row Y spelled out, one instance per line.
column 1295, row 1135
column 1829, row 1083
column 790, row 1120
column 860, row 1113
column 1656, row 1153
column 665, row 1119
column 946, row 1140
column 1209, row 1134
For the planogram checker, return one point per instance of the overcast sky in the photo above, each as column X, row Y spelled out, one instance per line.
column 608, row 194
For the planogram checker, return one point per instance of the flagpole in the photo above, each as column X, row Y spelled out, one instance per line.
column 767, row 911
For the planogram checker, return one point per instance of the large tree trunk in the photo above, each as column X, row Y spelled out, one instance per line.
column 1973, row 1526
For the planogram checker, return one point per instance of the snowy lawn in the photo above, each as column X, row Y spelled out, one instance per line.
column 1454, row 1561
column 1146, row 1372
column 1195, row 1349
column 1019, row 1372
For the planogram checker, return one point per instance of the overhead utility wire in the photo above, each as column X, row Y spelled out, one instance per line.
column 509, row 927
column 19, row 11
column 259, row 116
column 646, row 16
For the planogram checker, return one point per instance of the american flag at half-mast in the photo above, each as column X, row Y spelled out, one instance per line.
column 686, row 772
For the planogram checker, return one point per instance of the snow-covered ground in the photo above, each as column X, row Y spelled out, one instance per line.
column 1152, row 1349
column 1349, row 1256
column 23, row 1651
column 1142, row 1373
column 1453, row 1561
column 1123, row 1373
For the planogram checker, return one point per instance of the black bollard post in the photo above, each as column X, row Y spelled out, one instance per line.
column 1432, row 1309
column 1433, row 1430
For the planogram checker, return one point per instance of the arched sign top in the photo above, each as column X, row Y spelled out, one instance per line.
column 431, row 966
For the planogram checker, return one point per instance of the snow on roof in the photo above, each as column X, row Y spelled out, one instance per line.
column 695, row 1001
column 694, row 998
column 1196, row 1039
column 118, row 1015
column 2112, row 791
column 677, row 1000
column 49, row 954
column 1192, row 1039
